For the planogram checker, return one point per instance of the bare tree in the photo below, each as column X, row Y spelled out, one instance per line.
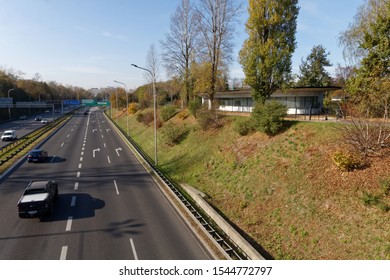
column 152, row 63
column 352, row 39
column 179, row 45
column 217, row 19
column 37, row 77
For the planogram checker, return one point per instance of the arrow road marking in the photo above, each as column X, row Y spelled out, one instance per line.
column 95, row 150
column 117, row 151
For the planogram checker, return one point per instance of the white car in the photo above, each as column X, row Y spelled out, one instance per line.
column 44, row 121
column 9, row 135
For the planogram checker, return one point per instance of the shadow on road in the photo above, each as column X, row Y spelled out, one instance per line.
column 85, row 206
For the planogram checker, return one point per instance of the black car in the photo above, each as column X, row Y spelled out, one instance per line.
column 38, row 199
column 37, row 156
column 38, row 118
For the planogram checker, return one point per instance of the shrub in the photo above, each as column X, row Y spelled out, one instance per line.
column 146, row 118
column 132, row 109
column 140, row 117
column 208, row 118
column 194, row 106
column 268, row 117
column 172, row 134
column 244, row 126
column 348, row 161
column 167, row 112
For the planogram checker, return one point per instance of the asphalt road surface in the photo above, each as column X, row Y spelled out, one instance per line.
column 108, row 208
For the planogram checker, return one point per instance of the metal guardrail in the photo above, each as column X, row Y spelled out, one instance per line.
column 226, row 244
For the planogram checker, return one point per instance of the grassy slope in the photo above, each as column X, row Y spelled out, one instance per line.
column 283, row 191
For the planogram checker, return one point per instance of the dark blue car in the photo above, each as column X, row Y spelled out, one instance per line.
column 37, row 156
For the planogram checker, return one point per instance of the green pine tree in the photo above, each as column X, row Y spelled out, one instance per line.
column 313, row 73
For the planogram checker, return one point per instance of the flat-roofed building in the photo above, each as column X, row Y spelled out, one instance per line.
column 298, row 100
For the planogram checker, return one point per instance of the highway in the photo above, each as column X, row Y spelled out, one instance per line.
column 108, row 208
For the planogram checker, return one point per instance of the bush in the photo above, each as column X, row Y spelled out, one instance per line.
column 167, row 112
column 268, row 117
column 140, row 117
column 172, row 134
column 244, row 126
column 208, row 118
column 194, row 106
column 348, row 161
column 146, row 118
column 132, row 109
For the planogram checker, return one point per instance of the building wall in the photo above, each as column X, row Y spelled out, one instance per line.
column 298, row 102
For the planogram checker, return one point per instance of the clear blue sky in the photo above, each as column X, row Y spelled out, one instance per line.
column 90, row 43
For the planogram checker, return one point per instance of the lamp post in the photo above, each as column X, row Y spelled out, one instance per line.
column 9, row 108
column 154, row 110
column 127, row 107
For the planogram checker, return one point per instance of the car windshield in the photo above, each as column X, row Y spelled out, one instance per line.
column 36, row 153
column 35, row 191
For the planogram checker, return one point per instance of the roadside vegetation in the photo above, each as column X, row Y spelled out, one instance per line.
column 284, row 191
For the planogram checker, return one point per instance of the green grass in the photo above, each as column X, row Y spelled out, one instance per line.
column 283, row 191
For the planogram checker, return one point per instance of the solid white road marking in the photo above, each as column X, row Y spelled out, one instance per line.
column 116, row 187
column 73, row 202
column 69, row 224
column 64, row 251
column 133, row 249
column 76, row 185
column 52, row 158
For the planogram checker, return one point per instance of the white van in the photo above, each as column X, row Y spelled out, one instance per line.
column 9, row 135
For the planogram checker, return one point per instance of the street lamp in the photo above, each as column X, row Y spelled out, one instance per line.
column 127, row 107
column 9, row 108
column 154, row 110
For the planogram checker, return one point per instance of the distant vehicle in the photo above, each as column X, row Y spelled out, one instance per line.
column 38, row 118
column 23, row 117
column 9, row 135
column 44, row 121
column 37, row 156
column 86, row 112
column 38, row 199
column 47, row 111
